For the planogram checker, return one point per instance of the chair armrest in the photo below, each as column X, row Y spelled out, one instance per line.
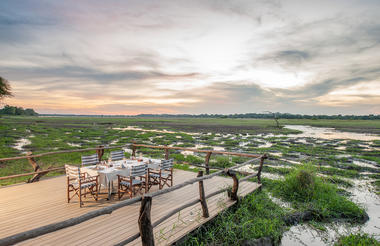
column 90, row 179
column 123, row 178
column 156, row 172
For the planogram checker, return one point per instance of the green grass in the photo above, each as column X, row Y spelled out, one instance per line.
column 306, row 191
column 255, row 217
column 360, row 239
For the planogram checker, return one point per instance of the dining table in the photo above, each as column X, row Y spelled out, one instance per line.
column 109, row 171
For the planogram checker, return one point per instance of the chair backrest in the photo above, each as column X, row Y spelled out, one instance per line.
column 90, row 159
column 72, row 171
column 138, row 170
column 117, row 155
column 166, row 164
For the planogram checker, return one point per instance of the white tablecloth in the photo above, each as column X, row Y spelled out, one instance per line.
column 109, row 174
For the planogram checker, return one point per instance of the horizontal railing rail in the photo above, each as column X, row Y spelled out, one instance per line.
column 38, row 173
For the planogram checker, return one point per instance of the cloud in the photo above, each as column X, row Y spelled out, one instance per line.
column 191, row 57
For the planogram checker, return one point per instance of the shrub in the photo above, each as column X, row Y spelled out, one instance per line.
column 357, row 239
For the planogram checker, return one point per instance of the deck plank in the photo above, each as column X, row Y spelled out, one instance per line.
column 27, row 206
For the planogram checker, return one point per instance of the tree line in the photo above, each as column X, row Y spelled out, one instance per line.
column 268, row 116
column 12, row 110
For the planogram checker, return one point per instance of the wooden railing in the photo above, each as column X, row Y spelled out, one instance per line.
column 145, row 224
column 38, row 172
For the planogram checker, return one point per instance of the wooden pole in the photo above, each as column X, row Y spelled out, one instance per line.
column 145, row 223
column 100, row 152
column 202, row 196
column 233, row 195
column 36, row 168
column 207, row 161
column 263, row 157
column 134, row 149
column 166, row 154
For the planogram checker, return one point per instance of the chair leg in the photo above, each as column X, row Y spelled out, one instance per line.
column 118, row 189
column 68, row 190
column 146, row 184
column 68, row 194
column 97, row 193
column 80, row 196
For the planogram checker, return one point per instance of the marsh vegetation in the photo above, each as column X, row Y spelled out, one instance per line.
column 321, row 186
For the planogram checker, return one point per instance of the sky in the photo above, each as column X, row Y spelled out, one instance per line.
column 192, row 57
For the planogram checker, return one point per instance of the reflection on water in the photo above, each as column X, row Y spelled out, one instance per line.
column 21, row 143
column 329, row 133
column 135, row 128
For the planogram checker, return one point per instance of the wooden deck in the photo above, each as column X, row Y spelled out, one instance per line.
column 27, row 206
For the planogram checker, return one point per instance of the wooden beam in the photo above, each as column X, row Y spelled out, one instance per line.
column 207, row 159
column 247, row 177
column 134, row 150
column 198, row 150
column 145, row 223
column 262, row 158
column 60, row 152
column 36, row 168
column 233, row 195
column 33, row 173
column 100, row 152
column 38, row 175
column 166, row 154
column 202, row 197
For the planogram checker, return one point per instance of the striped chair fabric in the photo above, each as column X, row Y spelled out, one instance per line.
column 162, row 177
column 90, row 159
column 117, row 155
column 135, row 183
column 76, row 181
column 72, row 172
column 166, row 164
column 138, row 170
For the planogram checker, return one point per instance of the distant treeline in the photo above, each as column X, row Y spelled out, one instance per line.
column 268, row 116
column 11, row 110
column 248, row 115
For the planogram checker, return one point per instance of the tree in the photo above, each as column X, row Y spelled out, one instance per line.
column 11, row 110
column 276, row 118
column 5, row 88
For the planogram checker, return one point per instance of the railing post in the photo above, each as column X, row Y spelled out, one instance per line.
column 33, row 162
column 166, row 153
column 133, row 149
column 100, row 152
column 233, row 195
column 145, row 223
column 263, row 157
column 36, row 177
column 207, row 161
column 202, row 196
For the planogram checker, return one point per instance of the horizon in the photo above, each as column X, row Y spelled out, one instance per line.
column 203, row 57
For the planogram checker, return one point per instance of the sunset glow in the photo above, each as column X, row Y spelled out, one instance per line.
column 96, row 57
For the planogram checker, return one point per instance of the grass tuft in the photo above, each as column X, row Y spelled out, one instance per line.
column 306, row 191
column 361, row 239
